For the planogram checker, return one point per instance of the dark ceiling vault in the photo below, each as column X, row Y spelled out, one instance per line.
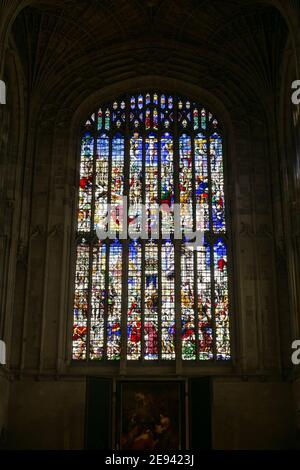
column 231, row 47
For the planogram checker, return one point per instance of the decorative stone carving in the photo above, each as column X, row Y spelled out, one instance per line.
column 37, row 232
column 246, row 230
column 56, row 231
column 264, row 230
column 22, row 253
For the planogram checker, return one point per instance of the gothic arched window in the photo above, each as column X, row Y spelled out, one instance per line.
column 151, row 181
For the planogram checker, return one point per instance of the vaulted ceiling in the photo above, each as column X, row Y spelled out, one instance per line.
column 70, row 48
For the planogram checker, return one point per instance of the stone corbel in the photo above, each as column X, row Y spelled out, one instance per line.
column 264, row 231
column 56, row 231
column 37, row 232
column 246, row 230
column 22, row 253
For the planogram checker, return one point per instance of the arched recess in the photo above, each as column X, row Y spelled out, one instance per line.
column 110, row 93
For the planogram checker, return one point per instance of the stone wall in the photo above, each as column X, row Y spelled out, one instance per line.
column 246, row 414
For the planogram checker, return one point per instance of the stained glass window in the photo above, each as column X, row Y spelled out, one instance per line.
column 151, row 179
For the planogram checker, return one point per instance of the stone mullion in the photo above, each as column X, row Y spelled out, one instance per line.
column 159, row 242
column 92, row 244
column 177, row 246
column 108, row 244
column 125, row 242
column 195, row 251
column 211, row 240
column 143, row 242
